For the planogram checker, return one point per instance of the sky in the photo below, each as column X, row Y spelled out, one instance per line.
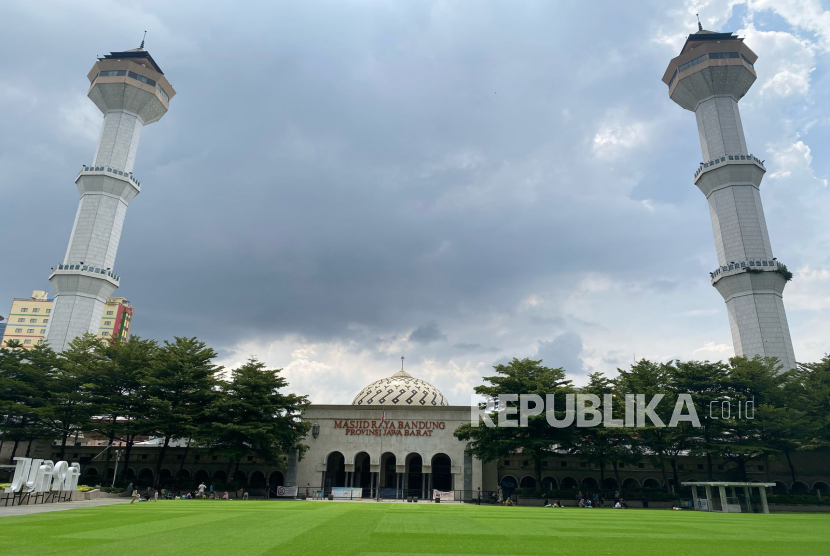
column 340, row 183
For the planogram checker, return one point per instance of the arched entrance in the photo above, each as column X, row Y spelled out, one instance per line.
column 631, row 484
column 201, row 476
column 442, row 472
column 508, row 485
column 799, row 488
column 610, row 483
column 335, row 473
column 220, row 477
column 527, row 482
column 362, row 477
column 414, row 483
column 651, row 484
column 240, row 479
column 388, row 479
column 821, row 488
column 276, row 480
column 165, row 478
column 549, row 484
column 569, row 483
column 590, row 484
column 145, row 477
column 256, row 479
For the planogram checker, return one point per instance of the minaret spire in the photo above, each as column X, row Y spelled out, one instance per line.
column 142, row 40
column 699, row 27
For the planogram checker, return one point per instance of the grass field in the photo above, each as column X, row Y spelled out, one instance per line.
column 208, row 527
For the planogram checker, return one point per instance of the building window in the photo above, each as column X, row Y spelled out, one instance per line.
column 32, row 320
column 48, row 311
column 720, row 467
column 105, row 333
column 21, row 320
column 141, row 78
column 112, row 73
column 18, row 330
column 109, row 312
column 563, row 463
column 583, row 464
column 215, row 458
column 179, row 457
column 250, row 458
column 700, row 466
column 35, row 310
column 107, row 323
column 24, row 310
column 30, row 331
column 680, row 466
column 45, row 321
column 43, row 331
column 27, row 341
column 641, row 465
column 143, row 456
column 760, row 468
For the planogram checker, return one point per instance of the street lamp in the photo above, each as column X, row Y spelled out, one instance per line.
column 315, row 430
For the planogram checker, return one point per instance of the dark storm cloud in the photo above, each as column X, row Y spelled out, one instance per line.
column 342, row 170
column 563, row 351
column 427, row 333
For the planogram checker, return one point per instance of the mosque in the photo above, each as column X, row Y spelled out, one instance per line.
column 395, row 439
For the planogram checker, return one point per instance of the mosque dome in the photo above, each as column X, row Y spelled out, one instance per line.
column 400, row 389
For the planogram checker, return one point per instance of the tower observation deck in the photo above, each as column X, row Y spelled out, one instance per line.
column 131, row 91
column 711, row 74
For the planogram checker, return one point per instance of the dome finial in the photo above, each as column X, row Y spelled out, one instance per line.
column 699, row 25
column 142, row 40
column 402, row 358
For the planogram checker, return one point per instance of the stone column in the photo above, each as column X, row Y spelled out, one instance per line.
column 708, row 498
column 748, row 499
column 764, row 506
column 722, row 491
column 695, row 498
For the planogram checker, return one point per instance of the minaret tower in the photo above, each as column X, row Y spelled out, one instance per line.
column 131, row 91
column 711, row 74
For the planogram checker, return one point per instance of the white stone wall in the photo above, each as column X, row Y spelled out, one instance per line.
column 738, row 224
column 79, row 305
column 720, row 129
column 97, row 230
column 118, row 144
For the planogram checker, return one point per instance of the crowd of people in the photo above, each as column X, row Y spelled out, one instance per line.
column 201, row 492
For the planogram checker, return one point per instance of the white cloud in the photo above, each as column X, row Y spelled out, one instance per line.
column 616, row 136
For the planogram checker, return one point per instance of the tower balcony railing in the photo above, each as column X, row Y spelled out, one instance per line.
column 114, row 171
column 88, row 268
column 724, row 159
column 737, row 267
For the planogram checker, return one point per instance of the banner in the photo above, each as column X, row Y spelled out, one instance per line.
column 346, row 493
column 290, row 492
column 443, row 495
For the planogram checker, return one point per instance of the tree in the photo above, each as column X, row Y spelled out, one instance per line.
column 70, row 407
column 662, row 444
column 181, row 390
column 251, row 414
column 536, row 441
column 704, row 382
column 601, row 444
column 120, row 391
column 23, row 393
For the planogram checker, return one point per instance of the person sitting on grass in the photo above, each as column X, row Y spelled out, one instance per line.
column 225, row 496
column 245, row 495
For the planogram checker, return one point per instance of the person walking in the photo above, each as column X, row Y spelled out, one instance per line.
column 202, row 488
column 134, row 495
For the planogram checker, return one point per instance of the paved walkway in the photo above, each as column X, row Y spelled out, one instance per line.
column 58, row 506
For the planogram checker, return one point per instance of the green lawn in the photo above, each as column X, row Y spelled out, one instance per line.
column 207, row 527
